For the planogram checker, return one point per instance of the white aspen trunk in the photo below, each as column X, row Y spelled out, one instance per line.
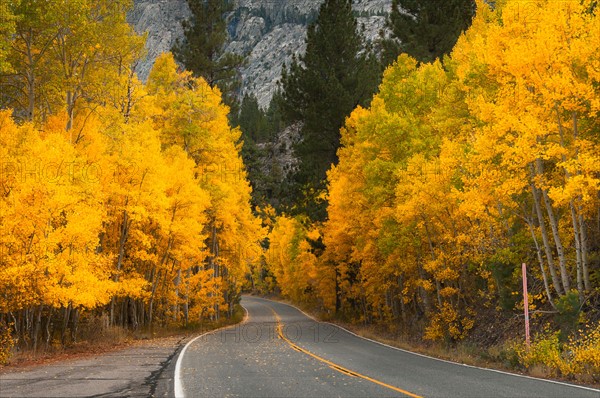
column 560, row 251
column 574, row 221
column 541, row 262
column 578, row 259
column 582, row 226
column 546, row 241
column 122, row 240
column 584, row 253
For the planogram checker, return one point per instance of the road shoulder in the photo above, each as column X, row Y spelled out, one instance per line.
column 145, row 368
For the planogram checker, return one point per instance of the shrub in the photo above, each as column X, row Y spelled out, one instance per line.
column 578, row 357
column 544, row 351
column 585, row 353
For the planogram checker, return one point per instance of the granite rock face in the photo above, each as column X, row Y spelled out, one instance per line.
column 161, row 21
column 267, row 32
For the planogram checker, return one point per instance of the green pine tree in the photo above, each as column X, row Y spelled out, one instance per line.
column 320, row 89
column 254, row 126
column 274, row 114
column 202, row 49
column 261, row 152
column 253, row 120
column 426, row 29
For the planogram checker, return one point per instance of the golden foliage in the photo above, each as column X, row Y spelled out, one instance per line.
column 460, row 171
column 116, row 196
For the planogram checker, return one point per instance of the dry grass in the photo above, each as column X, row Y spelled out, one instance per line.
column 540, row 371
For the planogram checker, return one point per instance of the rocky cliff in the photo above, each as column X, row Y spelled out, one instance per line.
column 161, row 21
column 268, row 32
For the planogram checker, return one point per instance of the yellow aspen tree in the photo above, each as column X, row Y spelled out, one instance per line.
column 290, row 258
column 180, row 239
column 538, row 120
column 52, row 233
column 192, row 115
column 404, row 118
column 69, row 55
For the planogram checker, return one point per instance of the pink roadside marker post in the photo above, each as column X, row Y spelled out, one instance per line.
column 526, row 304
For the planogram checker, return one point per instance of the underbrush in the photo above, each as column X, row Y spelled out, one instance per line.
column 95, row 336
column 103, row 340
column 575, row 358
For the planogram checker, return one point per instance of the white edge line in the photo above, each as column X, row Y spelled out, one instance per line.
column 177, row 378
column 434, row 358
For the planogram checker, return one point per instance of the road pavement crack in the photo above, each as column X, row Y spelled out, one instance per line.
column 152, row 380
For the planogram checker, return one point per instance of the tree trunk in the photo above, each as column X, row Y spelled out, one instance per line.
column 70, row 112
column 582, row 226
column 214, row 253
column 554, row 226
column 74, row 325
column 122, row 240
column 133, row 317
column 433, row 257
column 401, row 301
column 142, row 312
column 584, row 253
column 30, row 96
column 574, row 218
column 47, row 329
column 187, row 298
column 541, row 262
column 578, row 259
column 175, row 308
column 155, row 279
column 546, row 241
column 66, row 316
column 37, row 327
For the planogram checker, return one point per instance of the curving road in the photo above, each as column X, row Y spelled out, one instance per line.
column 280, row 352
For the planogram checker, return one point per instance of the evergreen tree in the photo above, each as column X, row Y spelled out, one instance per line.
column 253, row 155
column 320, row 89
column 252, row 120
column 202, row 49
column 274, row 114
column 261, row 152
column 254, row 126
column 426, row 29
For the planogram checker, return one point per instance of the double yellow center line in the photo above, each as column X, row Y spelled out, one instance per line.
column 335, row 366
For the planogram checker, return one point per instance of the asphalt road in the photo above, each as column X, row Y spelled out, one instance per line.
column 277, row 352
column 145, row 370
column 280, row 352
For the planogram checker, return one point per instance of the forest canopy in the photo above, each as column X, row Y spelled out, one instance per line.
column 121, row 201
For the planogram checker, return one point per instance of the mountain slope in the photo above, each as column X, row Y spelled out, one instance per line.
column 268, row 32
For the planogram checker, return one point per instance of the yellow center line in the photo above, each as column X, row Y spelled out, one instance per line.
column 334, row 365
